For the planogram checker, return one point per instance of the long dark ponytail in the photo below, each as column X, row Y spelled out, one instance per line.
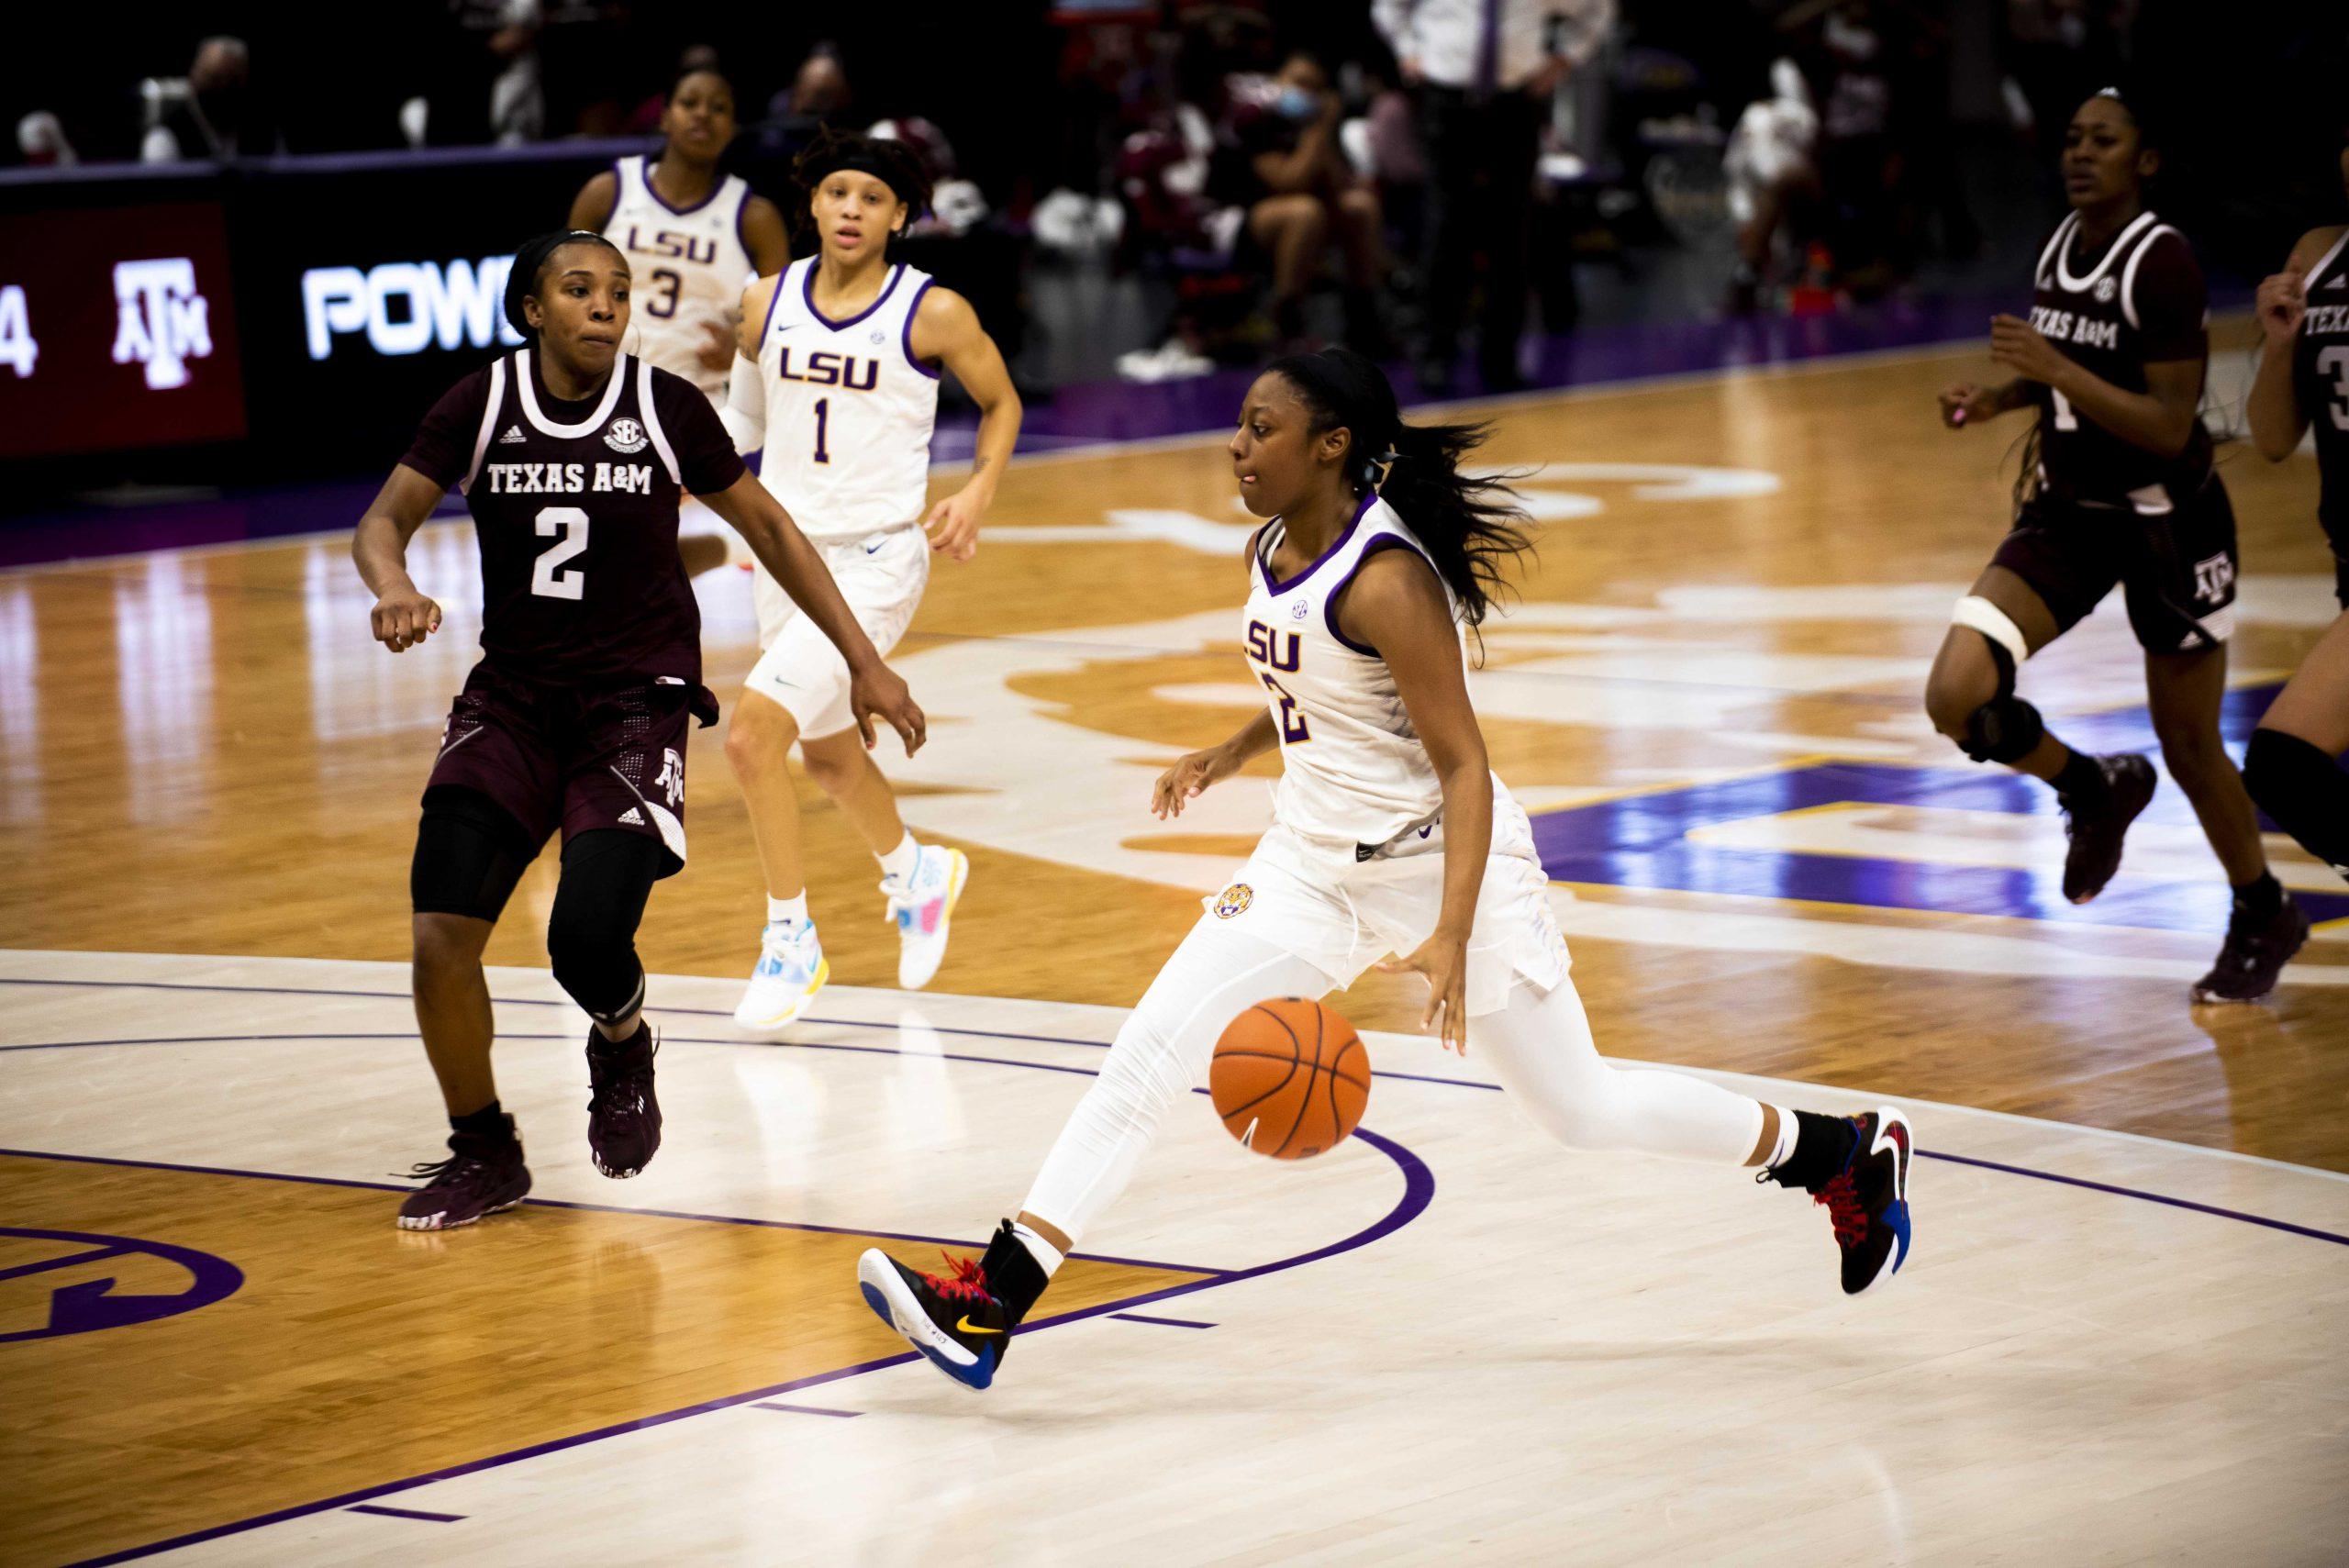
column 1471, row 527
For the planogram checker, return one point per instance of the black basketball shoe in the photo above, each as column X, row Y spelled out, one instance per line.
column 623, row 1116
column 481, row 1176
column 2255, row 952
column 2095, row 824
column 961, row 1322
column 1866, row 1197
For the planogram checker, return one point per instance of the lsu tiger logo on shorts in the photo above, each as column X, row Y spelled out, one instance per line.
column 1233, row 900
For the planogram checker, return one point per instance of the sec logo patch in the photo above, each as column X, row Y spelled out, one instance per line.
column 624, row 436
column 1232, row 900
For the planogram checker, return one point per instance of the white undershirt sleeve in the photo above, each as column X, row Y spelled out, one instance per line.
column 745, row 413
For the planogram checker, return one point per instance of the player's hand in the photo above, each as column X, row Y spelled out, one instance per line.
column 1963, row 404
column 953, row 525
column 1188, row 779
column 2281, row 302
column 403, row 617
column 2020, row 348
column 718, row 346
column 879, row 692
column 1444, row 959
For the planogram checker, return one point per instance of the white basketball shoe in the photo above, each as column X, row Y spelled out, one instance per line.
column 923, row 906
column 792, row 969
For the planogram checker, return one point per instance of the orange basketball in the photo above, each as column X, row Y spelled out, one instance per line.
column 1289, row 1078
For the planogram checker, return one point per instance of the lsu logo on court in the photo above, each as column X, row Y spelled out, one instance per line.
column 1233, row 900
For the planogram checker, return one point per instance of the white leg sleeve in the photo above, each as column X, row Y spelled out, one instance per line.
column 1541, row 1049
column 1160, row 1053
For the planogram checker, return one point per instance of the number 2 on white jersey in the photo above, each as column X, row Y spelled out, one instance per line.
column 547, row 580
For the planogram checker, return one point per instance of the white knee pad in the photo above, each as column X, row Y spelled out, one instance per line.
column 1978, row 614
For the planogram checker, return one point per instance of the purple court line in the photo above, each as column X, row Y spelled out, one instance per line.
column 1169, row 1322
column 91, row 1256
column 1418, row 1191
column 586, row 1207
column 2133, row 1192
column 403, row 1513
column 803, row 1409
column 1060, row 1040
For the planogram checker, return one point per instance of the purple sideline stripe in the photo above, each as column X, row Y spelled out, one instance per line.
column 403, row 1513
column 1418, row 1191
column 1169, row 1322
column 804, row 1409
column 1083, row 414
column 43, row 1265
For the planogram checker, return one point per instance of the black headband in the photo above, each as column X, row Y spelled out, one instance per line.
column 888, row 171
column 523, row 277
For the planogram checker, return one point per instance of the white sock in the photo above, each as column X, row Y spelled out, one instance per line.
column 1784, row 1150
column 898, row 864
column 791, row 911
column 1048, row 1257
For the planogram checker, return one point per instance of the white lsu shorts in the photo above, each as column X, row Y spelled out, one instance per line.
column 1317, row 902
column 882, row 576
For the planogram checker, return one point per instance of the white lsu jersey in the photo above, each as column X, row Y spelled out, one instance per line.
column 690, row 266
column 849, row 408
column 1353, row 771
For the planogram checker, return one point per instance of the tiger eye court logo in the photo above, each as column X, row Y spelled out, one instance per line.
column 1232, row 900
column 624, row 436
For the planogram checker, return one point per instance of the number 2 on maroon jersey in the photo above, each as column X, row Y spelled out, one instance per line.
column 547, row 580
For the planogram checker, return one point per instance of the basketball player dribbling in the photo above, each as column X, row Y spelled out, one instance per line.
column 2303, row 380
column 2121, row 488
column 1391, row 834
column 839, row 384
column 572, row 457
column 695, row 237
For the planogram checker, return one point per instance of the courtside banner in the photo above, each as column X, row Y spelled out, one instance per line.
column 118, row 331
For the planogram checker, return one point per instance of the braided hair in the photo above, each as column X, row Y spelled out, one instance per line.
column 1471, row 526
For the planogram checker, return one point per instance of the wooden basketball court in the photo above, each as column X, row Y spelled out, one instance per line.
column 2118, row 1340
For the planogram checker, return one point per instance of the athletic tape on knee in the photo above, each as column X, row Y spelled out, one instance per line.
column 1978, row 614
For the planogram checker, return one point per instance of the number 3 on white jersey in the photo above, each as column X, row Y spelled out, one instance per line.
column 548, row 579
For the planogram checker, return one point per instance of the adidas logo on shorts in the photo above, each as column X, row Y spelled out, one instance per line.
column 513, row 436
column 632, row 817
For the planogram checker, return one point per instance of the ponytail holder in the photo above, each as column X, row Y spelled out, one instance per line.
column 1375, row 470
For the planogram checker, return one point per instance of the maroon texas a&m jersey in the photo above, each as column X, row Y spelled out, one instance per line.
column 2139, row 302
column 575, row 508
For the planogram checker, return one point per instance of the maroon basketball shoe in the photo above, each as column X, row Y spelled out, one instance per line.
column 2097, row 824
column 2255, row 952
column 623, row 1116
column 481, row 1176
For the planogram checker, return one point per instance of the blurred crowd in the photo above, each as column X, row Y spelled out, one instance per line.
column 1417, row 177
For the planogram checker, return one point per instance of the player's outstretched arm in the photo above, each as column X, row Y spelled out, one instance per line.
column 403, row 615
column 875, row 689
column 1396, row 605
column 946, row 328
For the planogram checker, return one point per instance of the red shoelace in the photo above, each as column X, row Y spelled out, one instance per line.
column 970, row 1281
column 1844, row 1209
